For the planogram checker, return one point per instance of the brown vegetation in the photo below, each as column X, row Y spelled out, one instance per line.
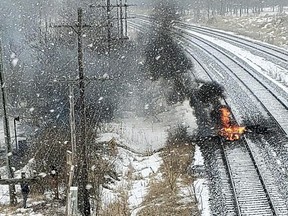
column 163, row 196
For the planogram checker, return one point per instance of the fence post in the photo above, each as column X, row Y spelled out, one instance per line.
column 72, row 201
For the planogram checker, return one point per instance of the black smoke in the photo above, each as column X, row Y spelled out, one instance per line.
column 165, row 58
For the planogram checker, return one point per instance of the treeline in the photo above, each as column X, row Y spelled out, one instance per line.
column 235, row 7
column 209, row 8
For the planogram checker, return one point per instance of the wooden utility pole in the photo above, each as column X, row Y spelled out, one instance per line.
column 81, row 149
column 82, row 166
column 7, row 133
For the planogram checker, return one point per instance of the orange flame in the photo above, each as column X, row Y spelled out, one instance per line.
column 229, row 131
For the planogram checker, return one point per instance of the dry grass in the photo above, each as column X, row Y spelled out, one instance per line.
column 163, row 198
column 120, row 207
column 37, row 204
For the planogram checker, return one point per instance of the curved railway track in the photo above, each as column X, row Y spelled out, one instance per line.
column 264, row 199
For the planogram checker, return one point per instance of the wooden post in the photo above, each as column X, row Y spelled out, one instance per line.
column 70, row 181
column 7, row 133
column 71, row 156
column 72, row 207
column 72, row 124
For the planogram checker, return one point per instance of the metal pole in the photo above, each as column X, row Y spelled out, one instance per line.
column 7, row 133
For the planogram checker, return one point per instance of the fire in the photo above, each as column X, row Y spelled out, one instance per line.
column 228, row 130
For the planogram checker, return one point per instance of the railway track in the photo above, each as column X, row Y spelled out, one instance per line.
column 262, row 49
column 243, row 176
column 250, row 184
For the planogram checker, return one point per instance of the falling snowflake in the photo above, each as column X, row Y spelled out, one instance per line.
column 13, row 55
column 88, row 186
column 15, row 61
column 42, row 174
column 105, row 76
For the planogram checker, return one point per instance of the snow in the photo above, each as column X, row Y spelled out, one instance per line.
column 201, row 186
column 202, row 194
column 139, row 168
column 150, row 134
column 14, row 62
column 198, row 158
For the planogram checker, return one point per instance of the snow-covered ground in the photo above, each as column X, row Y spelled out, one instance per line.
column 268, row 26
column 150, row 134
